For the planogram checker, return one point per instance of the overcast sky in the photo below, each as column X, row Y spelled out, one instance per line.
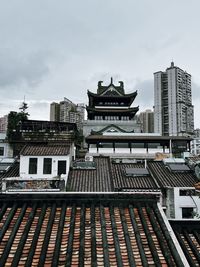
column 53, row 49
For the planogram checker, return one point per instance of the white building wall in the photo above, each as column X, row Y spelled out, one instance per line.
column 24, row 167
column 185, row 202
column 8, row 151
column 195, row 146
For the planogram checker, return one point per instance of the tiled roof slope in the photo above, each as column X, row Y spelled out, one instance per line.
column 188, row 235
column 121, row 181
column 12, row 172
column 193, row 159
column 166, row 178
column 45, row 150
column 97, row 180
column 84, row 233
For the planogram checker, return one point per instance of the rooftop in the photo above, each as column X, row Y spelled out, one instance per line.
column 81, row 231
column 188, row 235
column 167, row 178
column 110, row 176
column 91, row 180
column 45, row 150
column 122, row 181
column 13, row 171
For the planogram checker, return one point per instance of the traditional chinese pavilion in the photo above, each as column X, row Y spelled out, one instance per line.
column 111, row 103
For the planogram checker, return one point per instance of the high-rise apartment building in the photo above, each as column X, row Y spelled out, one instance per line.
column 54, row 111
column 67, row 111
column 147, row 121
column 173, row 109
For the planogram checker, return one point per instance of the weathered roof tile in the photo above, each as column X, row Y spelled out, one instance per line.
column 45, row 150
column 89, row 232
column 167, row 178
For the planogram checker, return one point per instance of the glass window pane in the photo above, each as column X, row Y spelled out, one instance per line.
column 121, row 145
column 187, row 213
column 33, row 166
column 105, row 145
column 1, row 151
column 47, row 166
column 62, row 167
column 138, row 145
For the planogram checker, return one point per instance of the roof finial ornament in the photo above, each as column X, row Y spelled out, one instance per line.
column 111, row 80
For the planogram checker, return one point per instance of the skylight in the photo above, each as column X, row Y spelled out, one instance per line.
column 88, row 165
column 136, row 172
column 179, row 167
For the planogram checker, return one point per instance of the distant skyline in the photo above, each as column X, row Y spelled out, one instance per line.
column 55, row 49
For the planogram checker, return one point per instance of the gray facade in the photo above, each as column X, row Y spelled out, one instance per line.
column 67, row 111
column 147, row 121
column 173, row 109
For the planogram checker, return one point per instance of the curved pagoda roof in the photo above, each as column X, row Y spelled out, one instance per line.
column 106, row 110
column 111, row 91
column 130, row 112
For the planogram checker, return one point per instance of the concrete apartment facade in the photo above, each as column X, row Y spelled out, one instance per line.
column 173, row 109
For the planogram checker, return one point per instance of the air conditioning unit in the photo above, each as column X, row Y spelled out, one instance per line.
column 88, row 158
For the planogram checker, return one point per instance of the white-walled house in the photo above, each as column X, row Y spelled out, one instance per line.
column 45, row 162
column 182, row 203
column 177, row 181
column 5, row 149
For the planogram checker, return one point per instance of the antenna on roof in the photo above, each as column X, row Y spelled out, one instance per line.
column 111, row 80
column 172, row 63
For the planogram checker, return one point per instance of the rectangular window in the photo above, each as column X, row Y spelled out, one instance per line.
column 62, row 164
column 187, row 213
column 1, row 151
column 32, row 166
column 121, row 145
column 105, row 145
column 138, row 145
column 187, row 192
column 47, row 165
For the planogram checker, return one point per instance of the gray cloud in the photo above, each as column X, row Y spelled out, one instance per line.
column 18, row 69
column 53, row 49
column 145, row 94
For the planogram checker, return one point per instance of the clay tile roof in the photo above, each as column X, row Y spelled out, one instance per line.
column 166, row 178
column 45, row 150
column 188, row 235
column 121, row 181
column 108, row 177
column 98, row 180
column 84, row 232
column 12, row 172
